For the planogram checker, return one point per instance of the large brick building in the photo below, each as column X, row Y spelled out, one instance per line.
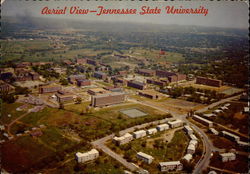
column 73, row 78
column 63, row 96
column 146, row 72
column 171, row 76
column 84, row 82
column 4, row 87
column 92, row 62
column 156, row 82
column 107, row 99
column 208, row 81
column 149, row 94
column 100, row 75
column 136, row 84
column 49, row 88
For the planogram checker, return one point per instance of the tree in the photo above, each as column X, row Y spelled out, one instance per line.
column 61, row 105
column 78, row 100
column 64, row 81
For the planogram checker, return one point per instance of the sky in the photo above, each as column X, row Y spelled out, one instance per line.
column 228, row 14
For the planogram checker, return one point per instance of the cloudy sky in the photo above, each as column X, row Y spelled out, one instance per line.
column 230, row 14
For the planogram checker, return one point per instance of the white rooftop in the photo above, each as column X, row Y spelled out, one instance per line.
column 170, row 163
column 145, row 155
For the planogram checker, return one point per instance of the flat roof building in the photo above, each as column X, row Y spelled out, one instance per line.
column 95, row 91
column 145, row 157
column 193, row 137
column 225, row 157
column 188, row 157
column 151, row 131
column 136, row 84
column 107, row 99
column 100, row 75
column 176, row 123
column 146, row 72
column 214, row 131
column 188, row 129
column 49, row 88
column 203, row 121
column 123, row 139
column 149, row 94
column 162, row 127
column 139, row 134
column 87, row 156
column 230, row 136
column 84, row 82
column 170, row 166
column 208, row 81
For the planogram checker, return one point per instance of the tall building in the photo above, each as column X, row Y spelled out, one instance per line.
column 107, row 99
column 208, row 81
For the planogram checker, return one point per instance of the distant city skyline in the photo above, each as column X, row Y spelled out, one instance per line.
column 220, row 14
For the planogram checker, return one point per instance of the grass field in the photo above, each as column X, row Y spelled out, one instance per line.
column 10, row 109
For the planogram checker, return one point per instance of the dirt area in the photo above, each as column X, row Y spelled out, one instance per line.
column 166, row 137
column 239, row 116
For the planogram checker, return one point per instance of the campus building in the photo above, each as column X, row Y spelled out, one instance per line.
column 175, row 124
column 107, row 99
column 230, row 136
column 87, row 156
column 188, row 129
column 139, row 134
column 151, row 131
column 74, row 78
column 63, row 96
column 84, row 82
column 136, row 84
column 100, row 75
column 149, row 94
column 145, row 157
column 208, row 81
column 162, row 127
column 171, row 76
column 49, row 88
column 170, row 166
column 146, row 72
column 156, row 82
column 123, row 139
column 225, row 157
column 203, row 121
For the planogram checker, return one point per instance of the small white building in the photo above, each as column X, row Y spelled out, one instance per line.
column 214, row 131
column 191, row 149
column 193, row 137
column 225, row 157
column 162, row 127
column 227, row 104
column 194, row 142
column 209, row 115
column 145, row 157
column 217, row 111
column 176, row 123
column 224, row 108
column 188, row 157
column 243, row 144
column 151, row 131
column 172, row 165
column 203, row 121
column 230, row 136
column 123, row 139
column 188, row 129
column 87, row 156
column 246, row 110
column 139, row 134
